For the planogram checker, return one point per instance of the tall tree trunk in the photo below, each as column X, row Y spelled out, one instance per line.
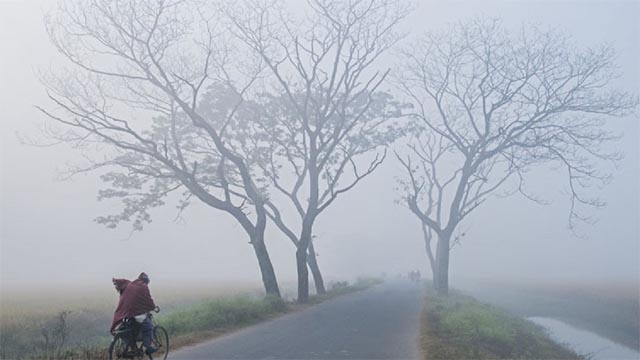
column 315, row 269
column 301, row 261
column 311, row 256
column 428, row 236
column 303, row 275
column 266, row 268
column 441, row 277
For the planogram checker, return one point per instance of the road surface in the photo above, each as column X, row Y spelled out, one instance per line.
column 379, row 323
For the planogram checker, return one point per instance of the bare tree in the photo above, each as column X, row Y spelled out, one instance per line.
column 356, row 156
column 139, row 72
column 490, row 106
column 328, row 122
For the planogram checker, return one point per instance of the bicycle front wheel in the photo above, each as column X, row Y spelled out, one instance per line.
column 160, row 342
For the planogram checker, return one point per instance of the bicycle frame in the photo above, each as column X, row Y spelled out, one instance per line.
column 127, row 342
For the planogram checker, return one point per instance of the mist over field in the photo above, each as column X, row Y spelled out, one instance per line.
column 49, row 238
column 52, row 249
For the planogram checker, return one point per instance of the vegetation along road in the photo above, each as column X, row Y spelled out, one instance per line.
column 380, row 323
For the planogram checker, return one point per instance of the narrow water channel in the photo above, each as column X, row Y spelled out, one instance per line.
column 584, row 342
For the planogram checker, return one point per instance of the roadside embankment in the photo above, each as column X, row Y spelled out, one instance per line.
column 611, row 310
column 461, row 327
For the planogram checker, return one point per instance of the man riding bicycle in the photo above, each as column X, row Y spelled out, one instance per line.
column 136, row 302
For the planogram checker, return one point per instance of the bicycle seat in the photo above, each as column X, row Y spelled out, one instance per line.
column 128, row 324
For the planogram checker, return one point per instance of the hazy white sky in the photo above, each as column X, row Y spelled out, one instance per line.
column 48, row 234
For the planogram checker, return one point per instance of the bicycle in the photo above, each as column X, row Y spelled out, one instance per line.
column 127, row 341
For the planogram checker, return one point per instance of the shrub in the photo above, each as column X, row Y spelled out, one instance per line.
column 338, row 285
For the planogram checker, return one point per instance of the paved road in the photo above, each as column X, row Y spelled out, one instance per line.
column 379, row 323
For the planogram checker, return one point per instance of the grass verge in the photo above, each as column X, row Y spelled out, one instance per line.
column 460, row 327
column 217, row 317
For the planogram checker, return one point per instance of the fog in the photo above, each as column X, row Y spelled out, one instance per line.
column 49, row 238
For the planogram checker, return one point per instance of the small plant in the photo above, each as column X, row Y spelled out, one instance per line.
column 55, row 334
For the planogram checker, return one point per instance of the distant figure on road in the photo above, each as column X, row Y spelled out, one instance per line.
column 414, row 276
column 136, row 302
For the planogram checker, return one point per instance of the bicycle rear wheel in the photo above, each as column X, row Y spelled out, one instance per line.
column 160, row 342
column 117, row 348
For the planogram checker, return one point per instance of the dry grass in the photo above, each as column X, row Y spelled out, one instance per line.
column 25, row 314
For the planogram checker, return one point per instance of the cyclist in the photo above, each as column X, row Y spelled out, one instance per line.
column 136, row 302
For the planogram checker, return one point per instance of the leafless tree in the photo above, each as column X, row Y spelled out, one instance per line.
column 139, row 72
column 490, row 106
column 328, row 121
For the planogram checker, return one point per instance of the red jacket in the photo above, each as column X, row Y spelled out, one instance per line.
column 135, row 299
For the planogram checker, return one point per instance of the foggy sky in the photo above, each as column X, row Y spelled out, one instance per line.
column 48, row 234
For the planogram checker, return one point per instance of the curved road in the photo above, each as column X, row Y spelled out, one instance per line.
column 379, row 323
